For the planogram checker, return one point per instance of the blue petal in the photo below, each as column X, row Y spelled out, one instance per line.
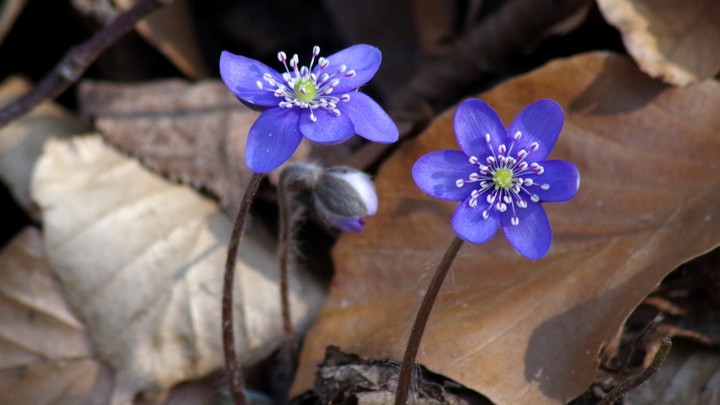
column 328, row 128
column 532, row 236
column 363, row 59
column 241, row 74
column 371, row 121
column 272, row 139
column 473, row 120
column 471, row 226
column 539, row 122
column 437, row 172
column 562, row 177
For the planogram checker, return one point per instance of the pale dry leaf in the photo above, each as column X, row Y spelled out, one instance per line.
column 676, row 41
column 45, row 356
column 22, row 140
column 143, row 260
column 171, row 30
column 530, row 332
column 689, row 376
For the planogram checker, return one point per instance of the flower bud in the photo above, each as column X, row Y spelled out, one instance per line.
column 343, row 196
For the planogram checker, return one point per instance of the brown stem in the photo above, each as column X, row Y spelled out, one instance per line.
column 285, row 201
column 635, row 381
column 408, row 364
column 234, row 370
column 76, row 61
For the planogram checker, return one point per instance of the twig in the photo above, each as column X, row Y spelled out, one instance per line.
column 232, row 364
column 408, row 364
column 77, row 60
column 637, row 380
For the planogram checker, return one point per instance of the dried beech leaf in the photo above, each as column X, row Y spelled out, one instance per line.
column 45, row 357
column 689, row 375
column 22, row 140
column 193, row 133
column 142, row 261
column 530, row 332
column 171, row 31
column 673, row 40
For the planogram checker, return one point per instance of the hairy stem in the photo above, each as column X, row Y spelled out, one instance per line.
column 285, row 201
column 406, row 370
column 232, row 364
column 76, row 61
column 635, row 381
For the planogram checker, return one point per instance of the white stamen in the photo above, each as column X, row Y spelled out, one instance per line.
column 534, row 198
column 545, row 187
column 473, row 160
column 517, row 135
column 459, row 183
column 502, row 149
column 259, row 84
column 515, row 220
column 485, row 214
column 487, row 138
column 534, row 146
column 345, row 97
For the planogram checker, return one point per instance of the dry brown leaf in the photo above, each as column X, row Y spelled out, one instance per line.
column 676, row 41
column 45, row 357
column 171, row 30
column 22, row 140
column 530, row 332
column 142, row 262
column 193, row 133
column 690, row 376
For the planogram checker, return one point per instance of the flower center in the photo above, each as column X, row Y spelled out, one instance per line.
column 503, row 179
column 304, row 88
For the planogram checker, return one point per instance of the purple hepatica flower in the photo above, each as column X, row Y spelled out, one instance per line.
column 318, row 102
column 501, row 175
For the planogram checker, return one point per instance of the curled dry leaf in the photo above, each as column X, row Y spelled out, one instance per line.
column 689, row 375
column 530, row 332
column 142, row 262
column 22, row 140
column 673, row 40
column 45, row 357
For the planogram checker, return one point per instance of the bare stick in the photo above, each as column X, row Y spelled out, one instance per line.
column 285, row 201
column 234, row 370
column 77, row 60
column 406, row 370
column 635, row 381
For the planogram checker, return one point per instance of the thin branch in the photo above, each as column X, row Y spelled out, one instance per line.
column 77, row 60
column 635, row 381
column 232, row 364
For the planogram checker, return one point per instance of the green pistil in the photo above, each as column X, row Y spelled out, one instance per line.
column 503, row 178
column 305, row 90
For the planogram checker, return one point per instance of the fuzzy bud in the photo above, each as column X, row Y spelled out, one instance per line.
column 343, row 196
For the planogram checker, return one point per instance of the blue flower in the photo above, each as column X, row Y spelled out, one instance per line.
column 319, row 102
column 501, row 175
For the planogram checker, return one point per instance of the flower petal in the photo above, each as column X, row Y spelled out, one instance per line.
column 272, row 139
column 562, row 177
column 241, row 75
column 363, row 59
column 371, row 121
column 470, row 225
column 532, row 236
column 539, row 122
column 437, row 172
column 328, row 128
column 473, row 120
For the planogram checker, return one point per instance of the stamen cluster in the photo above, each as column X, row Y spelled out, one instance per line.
column 501, row 181
column 305, row 89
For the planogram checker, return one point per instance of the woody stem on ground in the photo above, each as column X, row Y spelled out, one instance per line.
column 635, row 381
column 408, row 364
column 232, row 364
column 77, row 60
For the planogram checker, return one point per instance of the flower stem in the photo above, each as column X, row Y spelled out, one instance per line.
column 234, row 370
column 635, row 381
column 408, row 364
column 285, row 201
